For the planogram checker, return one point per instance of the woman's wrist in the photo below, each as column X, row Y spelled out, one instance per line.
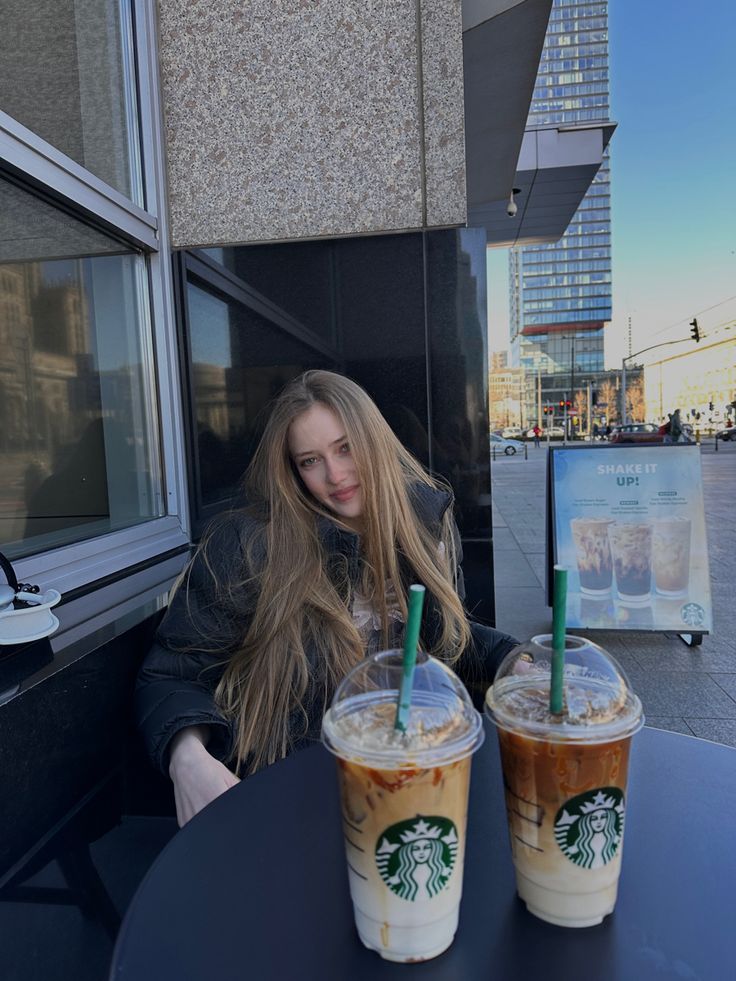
column 187, row 744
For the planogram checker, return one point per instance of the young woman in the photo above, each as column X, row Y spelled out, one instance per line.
column 288, row 593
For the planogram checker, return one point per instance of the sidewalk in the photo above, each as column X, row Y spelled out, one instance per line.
column 690, row 690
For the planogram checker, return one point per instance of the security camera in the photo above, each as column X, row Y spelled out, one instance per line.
column 511, row 208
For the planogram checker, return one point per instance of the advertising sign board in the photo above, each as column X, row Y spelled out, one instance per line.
column 628, row 523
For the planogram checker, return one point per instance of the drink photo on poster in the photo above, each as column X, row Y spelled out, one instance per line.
column 628, row 523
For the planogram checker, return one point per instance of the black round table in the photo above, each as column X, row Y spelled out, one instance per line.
column 255, row 886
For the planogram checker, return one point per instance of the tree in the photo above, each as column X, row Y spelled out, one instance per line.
column 608, row 400
column 635, row 400
column 581, row 411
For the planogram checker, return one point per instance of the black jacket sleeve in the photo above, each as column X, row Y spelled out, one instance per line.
column 478, row 663
column 208, row 616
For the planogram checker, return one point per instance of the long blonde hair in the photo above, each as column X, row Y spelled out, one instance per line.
column 304, row 605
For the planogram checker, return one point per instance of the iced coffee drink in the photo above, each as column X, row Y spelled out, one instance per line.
column 671, row 555
column 631, row 548
column 565, row 777
column 404, row 799
column 593, row 551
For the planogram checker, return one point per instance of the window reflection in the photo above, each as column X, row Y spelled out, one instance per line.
column 239, row 362
column 80, row 457
column 66, row 72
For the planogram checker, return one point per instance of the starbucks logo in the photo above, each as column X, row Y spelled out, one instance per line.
column 415, row 858
column 693, row 614
column 589, row 827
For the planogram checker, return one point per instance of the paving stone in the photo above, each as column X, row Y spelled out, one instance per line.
column 679, row 657
column 687, row 694
column 717, row 730
column 671, row 723
column 538, row 562
column 503, row 540
column 727, row 683
column 516, row 570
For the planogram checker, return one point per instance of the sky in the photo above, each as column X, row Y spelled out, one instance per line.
column 673, row 174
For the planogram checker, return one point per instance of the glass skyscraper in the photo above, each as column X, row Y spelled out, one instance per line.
column 560, row 293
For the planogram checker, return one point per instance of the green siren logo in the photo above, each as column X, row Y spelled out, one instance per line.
column 589, row 827
column 415, row 858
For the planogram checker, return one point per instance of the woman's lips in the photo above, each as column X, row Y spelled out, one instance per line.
column 346, row 495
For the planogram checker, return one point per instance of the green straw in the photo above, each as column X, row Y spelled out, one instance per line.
column 411, row 639
column 559, row 605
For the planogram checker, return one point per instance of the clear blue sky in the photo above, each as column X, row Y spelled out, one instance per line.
column 673, row 167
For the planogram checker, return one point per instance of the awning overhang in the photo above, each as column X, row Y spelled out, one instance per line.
column 556, row 167
column 502, row 45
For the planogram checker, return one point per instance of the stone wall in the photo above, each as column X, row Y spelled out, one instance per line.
column 308, row 118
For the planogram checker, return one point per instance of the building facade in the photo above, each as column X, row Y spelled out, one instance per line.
column 560, row 293
column 700, row 382
column 504, row 397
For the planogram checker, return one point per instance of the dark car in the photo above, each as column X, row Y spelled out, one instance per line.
column 636, row 432
column 727, row 434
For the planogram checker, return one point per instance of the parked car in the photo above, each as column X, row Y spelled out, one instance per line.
column 511, row 431
column 509, row 446
column 636, row 432
column 727, row 434
column 645, row 432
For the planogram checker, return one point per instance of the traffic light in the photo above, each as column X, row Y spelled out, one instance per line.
column 568, row 404
column 562, row 403
column 710, row 406
column 694, row 330
column 594, row 397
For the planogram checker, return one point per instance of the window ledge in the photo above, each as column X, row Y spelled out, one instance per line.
column 76, row 566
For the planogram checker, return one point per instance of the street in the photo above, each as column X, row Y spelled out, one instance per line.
column 690, row 690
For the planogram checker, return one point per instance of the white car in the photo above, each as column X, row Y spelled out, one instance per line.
column 509, row 446
column 510, row 431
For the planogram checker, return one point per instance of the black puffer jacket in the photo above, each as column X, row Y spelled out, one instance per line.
column 200, row 631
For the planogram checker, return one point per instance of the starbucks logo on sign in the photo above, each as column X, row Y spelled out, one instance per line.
column 415, row 858
column 693, row 614
column 589, row 827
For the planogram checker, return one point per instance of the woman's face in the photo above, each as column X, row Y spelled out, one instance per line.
column 598, row 821
column 322, row 455
column 421, row 851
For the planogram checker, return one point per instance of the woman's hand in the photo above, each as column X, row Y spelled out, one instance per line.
column 197, row 776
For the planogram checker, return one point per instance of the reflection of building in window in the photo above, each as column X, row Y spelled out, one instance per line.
column 68, row 428
column 45, row 333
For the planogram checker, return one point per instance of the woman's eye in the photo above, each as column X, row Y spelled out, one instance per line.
column 308, row 461
column 345, row 448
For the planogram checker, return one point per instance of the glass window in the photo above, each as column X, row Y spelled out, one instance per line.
column 239, row 362
column 295, row 278
column 66, row 72
column 79, row 435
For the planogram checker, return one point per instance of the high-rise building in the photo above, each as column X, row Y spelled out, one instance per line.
column 560, row 293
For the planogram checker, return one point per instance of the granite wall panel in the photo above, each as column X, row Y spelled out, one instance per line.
column 444, row 113
column 306, row 119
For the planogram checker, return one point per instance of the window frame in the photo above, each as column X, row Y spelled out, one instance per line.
column 198, row 269
column 44, row 170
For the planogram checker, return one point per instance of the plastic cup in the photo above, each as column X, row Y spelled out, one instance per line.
column 631, row 547
column 593, row 553
column 671, row 555
column 404, row 801
column 565, row 776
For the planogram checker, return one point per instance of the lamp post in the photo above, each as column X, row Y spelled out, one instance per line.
column 636, row 354
column 572, row 375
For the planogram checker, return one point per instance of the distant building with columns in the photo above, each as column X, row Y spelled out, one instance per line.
column 693, row 380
